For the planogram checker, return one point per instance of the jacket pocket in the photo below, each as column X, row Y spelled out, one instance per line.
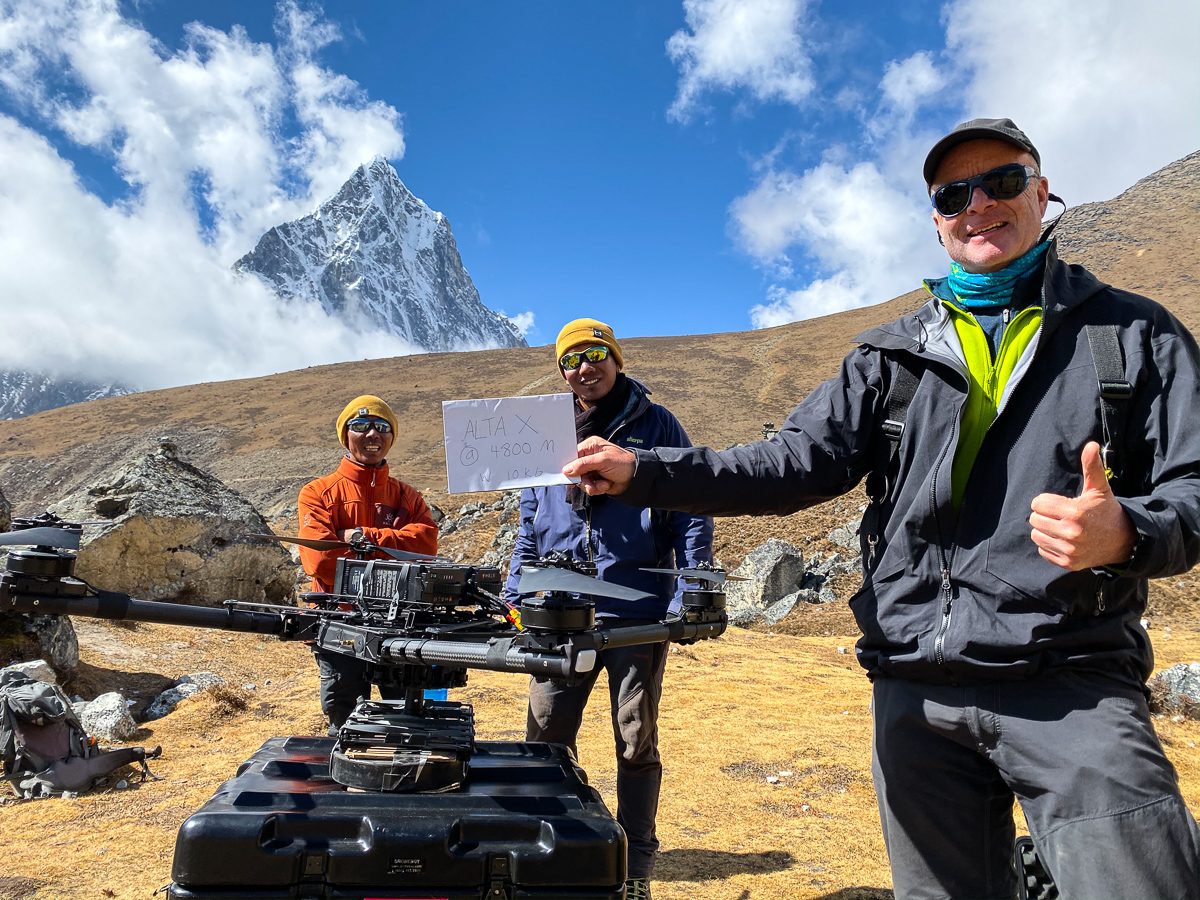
column 1037, row 581
column 866, row 603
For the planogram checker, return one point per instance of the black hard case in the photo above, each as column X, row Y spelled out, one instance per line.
column 525, row 824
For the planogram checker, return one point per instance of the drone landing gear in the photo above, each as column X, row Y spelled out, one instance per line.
column 404, row 746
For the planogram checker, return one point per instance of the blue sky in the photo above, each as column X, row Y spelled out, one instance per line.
column 677, row 166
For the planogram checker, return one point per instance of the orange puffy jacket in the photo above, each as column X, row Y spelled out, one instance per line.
column 390, row 513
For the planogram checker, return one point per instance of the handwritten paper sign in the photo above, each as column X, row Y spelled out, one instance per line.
column 509, row 442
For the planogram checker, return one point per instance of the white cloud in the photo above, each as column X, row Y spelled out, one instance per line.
column 134, row 295
column 523, row 322
column 860, row 229
column 733, row 44
column 907, row 83
column 1107, row 92
column 140, row 290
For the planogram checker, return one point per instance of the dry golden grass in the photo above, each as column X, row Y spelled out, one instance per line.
column 736, row 710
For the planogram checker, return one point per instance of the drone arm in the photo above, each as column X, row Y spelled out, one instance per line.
column 498, row 655
column 111, row 605
column 675, row 629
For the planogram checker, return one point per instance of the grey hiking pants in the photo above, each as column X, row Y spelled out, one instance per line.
column 1076, row 749
column 635, row 676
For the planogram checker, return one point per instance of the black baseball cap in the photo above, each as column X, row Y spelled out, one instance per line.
column 993, row 129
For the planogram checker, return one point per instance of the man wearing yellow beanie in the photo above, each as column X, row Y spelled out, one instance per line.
column 621, row 541
column 359, row 500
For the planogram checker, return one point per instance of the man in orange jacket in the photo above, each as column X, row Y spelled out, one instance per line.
column 358, row 500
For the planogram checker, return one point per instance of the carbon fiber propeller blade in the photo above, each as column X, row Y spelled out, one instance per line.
column 41, row 537
column 534, row 579
column 409, row 556
column 318, row 544
column 700, row 575
column 311, row 543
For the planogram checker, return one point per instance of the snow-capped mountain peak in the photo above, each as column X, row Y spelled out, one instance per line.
column 375, row 253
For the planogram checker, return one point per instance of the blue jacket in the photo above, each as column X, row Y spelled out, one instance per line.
column 618, row 538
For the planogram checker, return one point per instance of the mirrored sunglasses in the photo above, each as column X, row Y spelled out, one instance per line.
column 1001, row 183
column 575, row 358
column 362, row 426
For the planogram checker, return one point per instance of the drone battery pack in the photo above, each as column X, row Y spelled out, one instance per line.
column 524, row 825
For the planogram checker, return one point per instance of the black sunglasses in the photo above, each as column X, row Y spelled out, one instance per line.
column 575, row 358
column 1001, row 183
column 362, row 426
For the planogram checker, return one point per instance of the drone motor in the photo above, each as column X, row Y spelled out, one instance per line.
column 41, row 562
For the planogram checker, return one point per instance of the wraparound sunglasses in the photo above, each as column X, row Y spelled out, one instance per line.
column 1001, row 183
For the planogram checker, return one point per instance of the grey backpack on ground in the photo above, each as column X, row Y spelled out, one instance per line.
column 43, row 748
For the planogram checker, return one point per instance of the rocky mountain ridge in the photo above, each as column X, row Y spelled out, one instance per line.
column 25, row 393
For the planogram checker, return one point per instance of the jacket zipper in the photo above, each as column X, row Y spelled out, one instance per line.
column 947, row 593
column 946, row 597
column 611, row 435
column 588, row 535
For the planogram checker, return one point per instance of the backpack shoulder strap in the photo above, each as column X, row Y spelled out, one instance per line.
column 1115, row 392
column 904, row 387
column 900, row 394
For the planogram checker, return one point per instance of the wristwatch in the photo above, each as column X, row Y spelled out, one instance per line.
column 357, row 536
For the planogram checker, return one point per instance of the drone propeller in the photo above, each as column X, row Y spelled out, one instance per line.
column 714, row 576
column 318, row 544
column 534, row 580
column 42, row 537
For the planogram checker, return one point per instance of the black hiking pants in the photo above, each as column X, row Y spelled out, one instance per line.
column 635, row 676
column 1076, row 749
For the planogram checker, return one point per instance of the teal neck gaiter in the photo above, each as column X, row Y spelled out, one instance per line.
column 984, row 290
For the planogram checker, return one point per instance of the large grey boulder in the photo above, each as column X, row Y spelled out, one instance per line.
column 772, row 570
column 175, row 532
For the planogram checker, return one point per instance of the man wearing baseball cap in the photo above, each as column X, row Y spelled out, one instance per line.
column 621, row 541
column 1031, row 458
column 359, row 500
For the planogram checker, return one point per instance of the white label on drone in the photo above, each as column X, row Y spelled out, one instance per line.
column 508, row 442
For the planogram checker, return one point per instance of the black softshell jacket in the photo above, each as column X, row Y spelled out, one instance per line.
column 962, row 595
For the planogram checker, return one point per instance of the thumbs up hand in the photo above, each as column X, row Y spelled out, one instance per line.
column 1087, row 531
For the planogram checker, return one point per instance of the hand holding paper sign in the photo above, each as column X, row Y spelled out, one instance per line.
column 508, row 442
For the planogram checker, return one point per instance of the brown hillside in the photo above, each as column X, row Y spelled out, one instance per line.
column 736, row 711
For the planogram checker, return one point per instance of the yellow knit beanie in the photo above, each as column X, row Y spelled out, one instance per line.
column 587, row 331
column 366, row 405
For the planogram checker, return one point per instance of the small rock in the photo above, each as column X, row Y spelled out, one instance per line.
column 37, row 669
